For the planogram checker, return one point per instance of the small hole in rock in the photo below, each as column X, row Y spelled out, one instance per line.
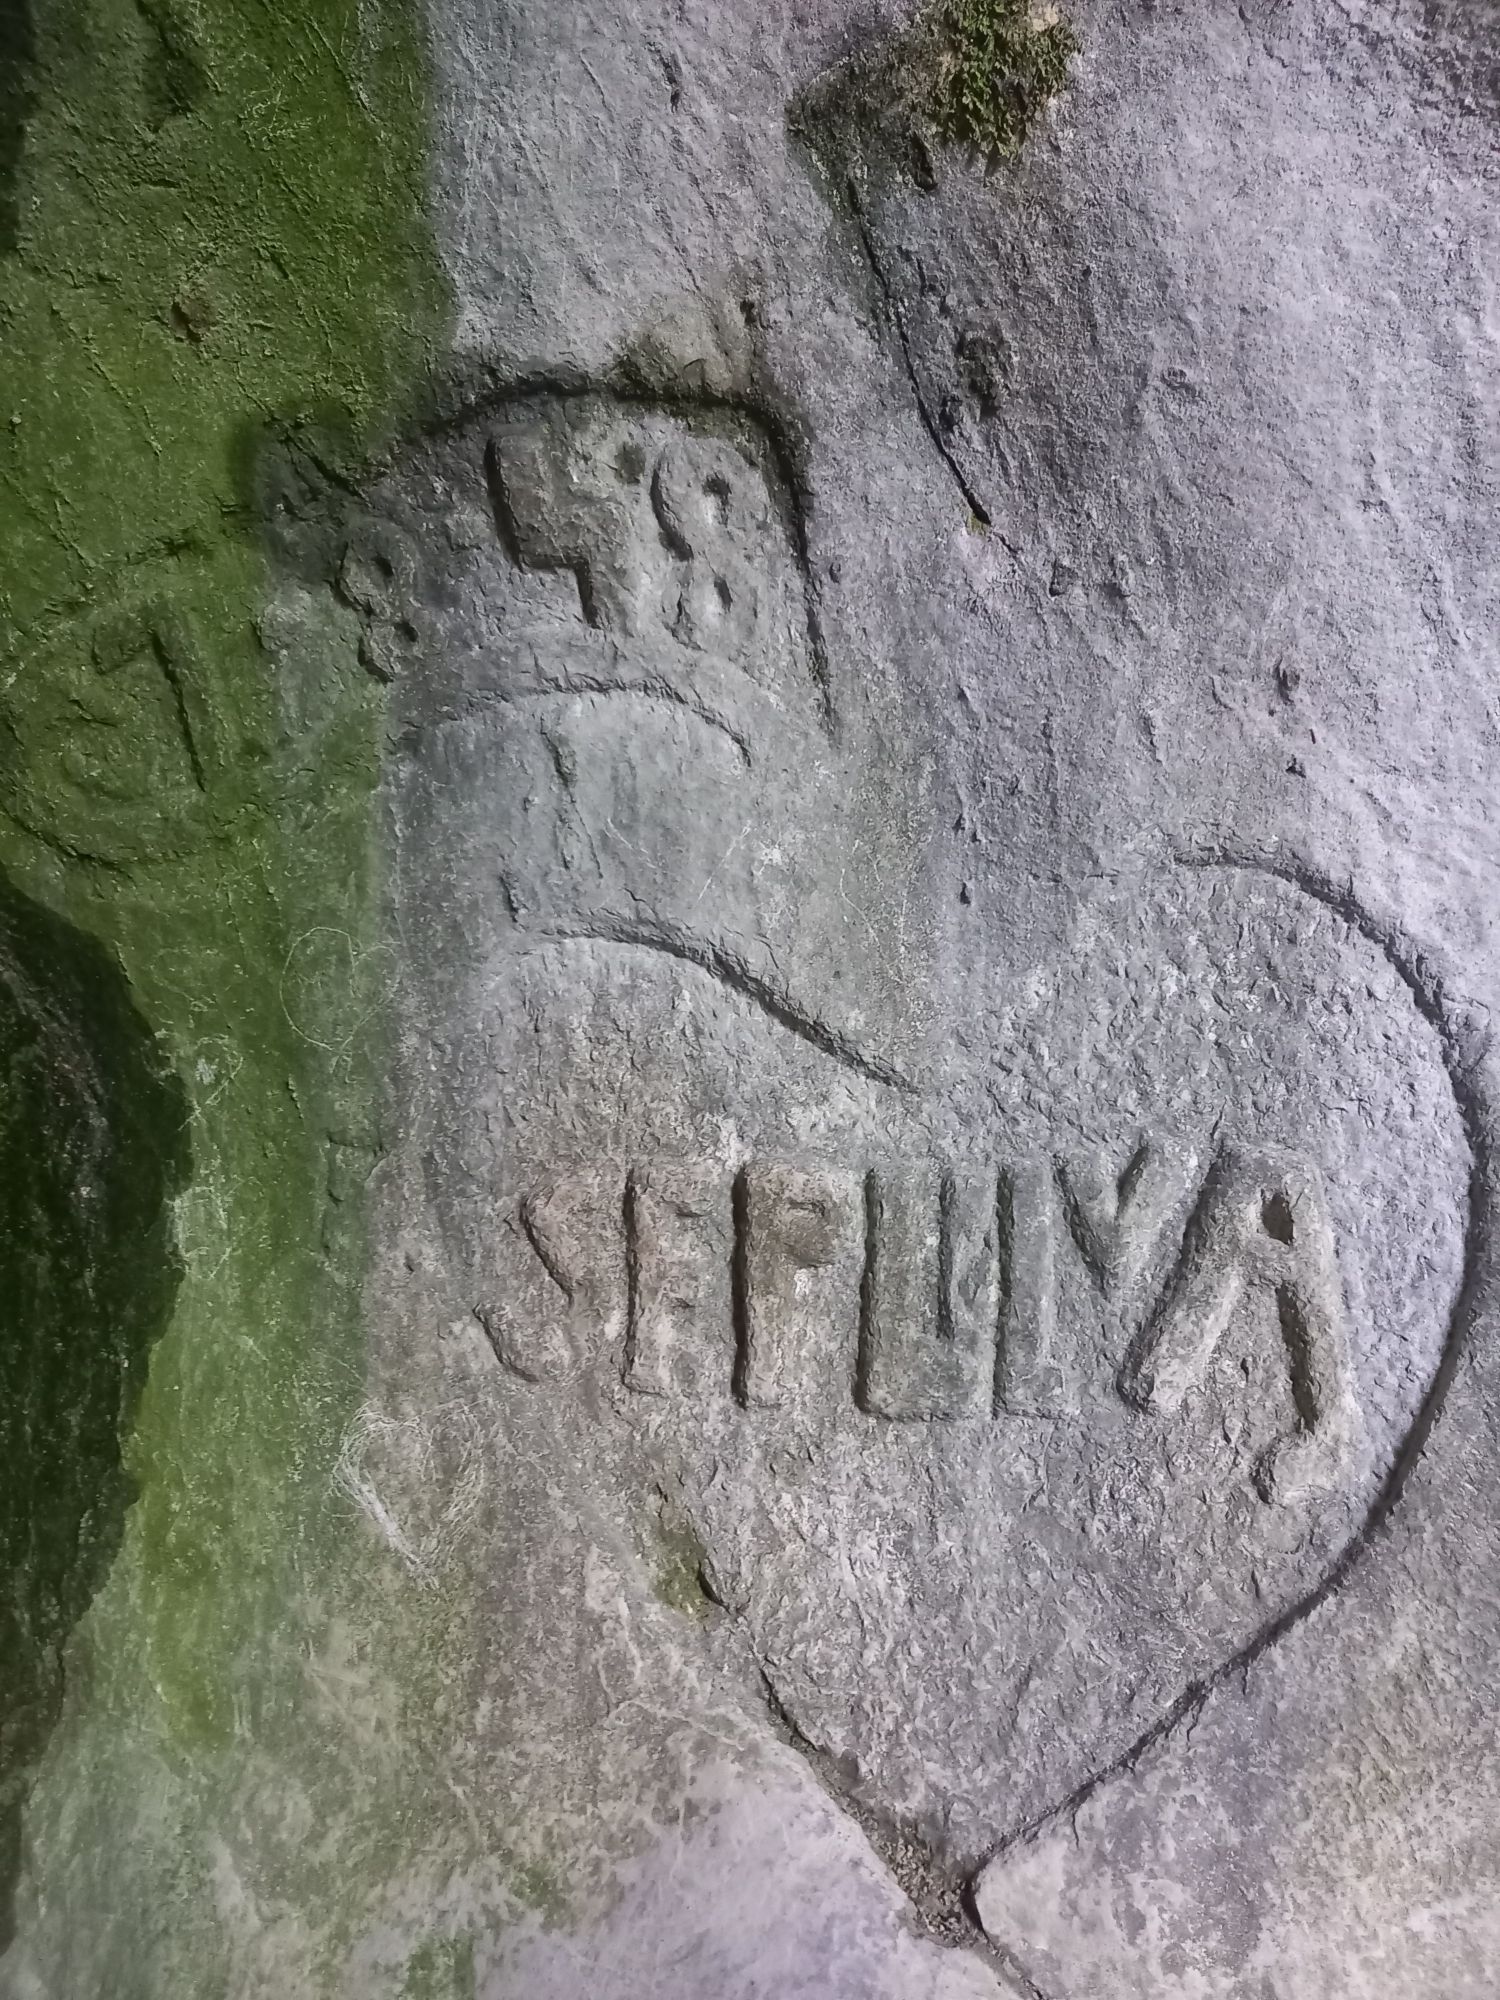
column 1276, row 1218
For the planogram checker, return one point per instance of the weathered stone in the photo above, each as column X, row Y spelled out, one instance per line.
column 910, row 1118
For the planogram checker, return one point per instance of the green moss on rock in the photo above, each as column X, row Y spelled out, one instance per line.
column 679, row 1566
column 211, row 231
column 974, row 74
column 441, row 1969
column 998, row 67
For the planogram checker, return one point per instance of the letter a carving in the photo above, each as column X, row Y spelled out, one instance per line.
column 1262, row 1224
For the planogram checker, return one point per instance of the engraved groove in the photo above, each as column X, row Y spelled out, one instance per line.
column 739, row 1285
column 508, row 528
column 649, row 687
column 642, row 934
column 972, row 500
column 865, row 1351
column 634, row 1196
column 1461, row 1058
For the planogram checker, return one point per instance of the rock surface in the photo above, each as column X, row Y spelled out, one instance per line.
column 926, row 1424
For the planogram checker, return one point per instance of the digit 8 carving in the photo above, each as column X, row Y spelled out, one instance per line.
column 710, row 514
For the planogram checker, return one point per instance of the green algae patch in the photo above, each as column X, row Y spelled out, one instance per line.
column 442, row 1969
column 211, row 234
column 679, row 1564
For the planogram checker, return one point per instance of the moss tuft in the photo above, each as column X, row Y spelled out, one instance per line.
column 968, row 73
column 679, row 1579
column 1000, row 66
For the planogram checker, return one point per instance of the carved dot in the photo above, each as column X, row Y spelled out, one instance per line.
column 1276, row 1218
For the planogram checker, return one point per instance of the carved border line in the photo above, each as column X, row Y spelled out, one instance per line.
column 1462, row 1057
column 942, row 1901
column 925, row 1880
column 642, row 934
column 643, row 688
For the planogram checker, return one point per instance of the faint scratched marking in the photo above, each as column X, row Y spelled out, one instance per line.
column 391, row 1467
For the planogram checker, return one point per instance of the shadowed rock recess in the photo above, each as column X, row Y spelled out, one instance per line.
column 92, row 1149
column 17, row 55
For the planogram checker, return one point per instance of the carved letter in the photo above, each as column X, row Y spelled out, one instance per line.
column 930, row 1295
column 680, row 1248
column 555, row 511
column 797, row 1257
column 1262, row 1223
column 561, row 1297
column 1119, row 1221
column 1028, row 1380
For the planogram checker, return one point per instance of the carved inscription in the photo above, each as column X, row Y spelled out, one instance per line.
column 679, row 1255
column 1119, row 1221
column 1028, row 1380
column 660, row 537
column 1262, row 1224
column 798, row 1259
column 127, row 756
column 678, row 532
column 552, row 1306
column 930, row 1293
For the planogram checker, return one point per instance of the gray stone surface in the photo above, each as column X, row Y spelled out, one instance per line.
column 931, row 1396
column 943, row 824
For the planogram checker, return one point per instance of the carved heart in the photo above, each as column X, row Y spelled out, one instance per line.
column 1010, row 1394
column 418, row 1480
